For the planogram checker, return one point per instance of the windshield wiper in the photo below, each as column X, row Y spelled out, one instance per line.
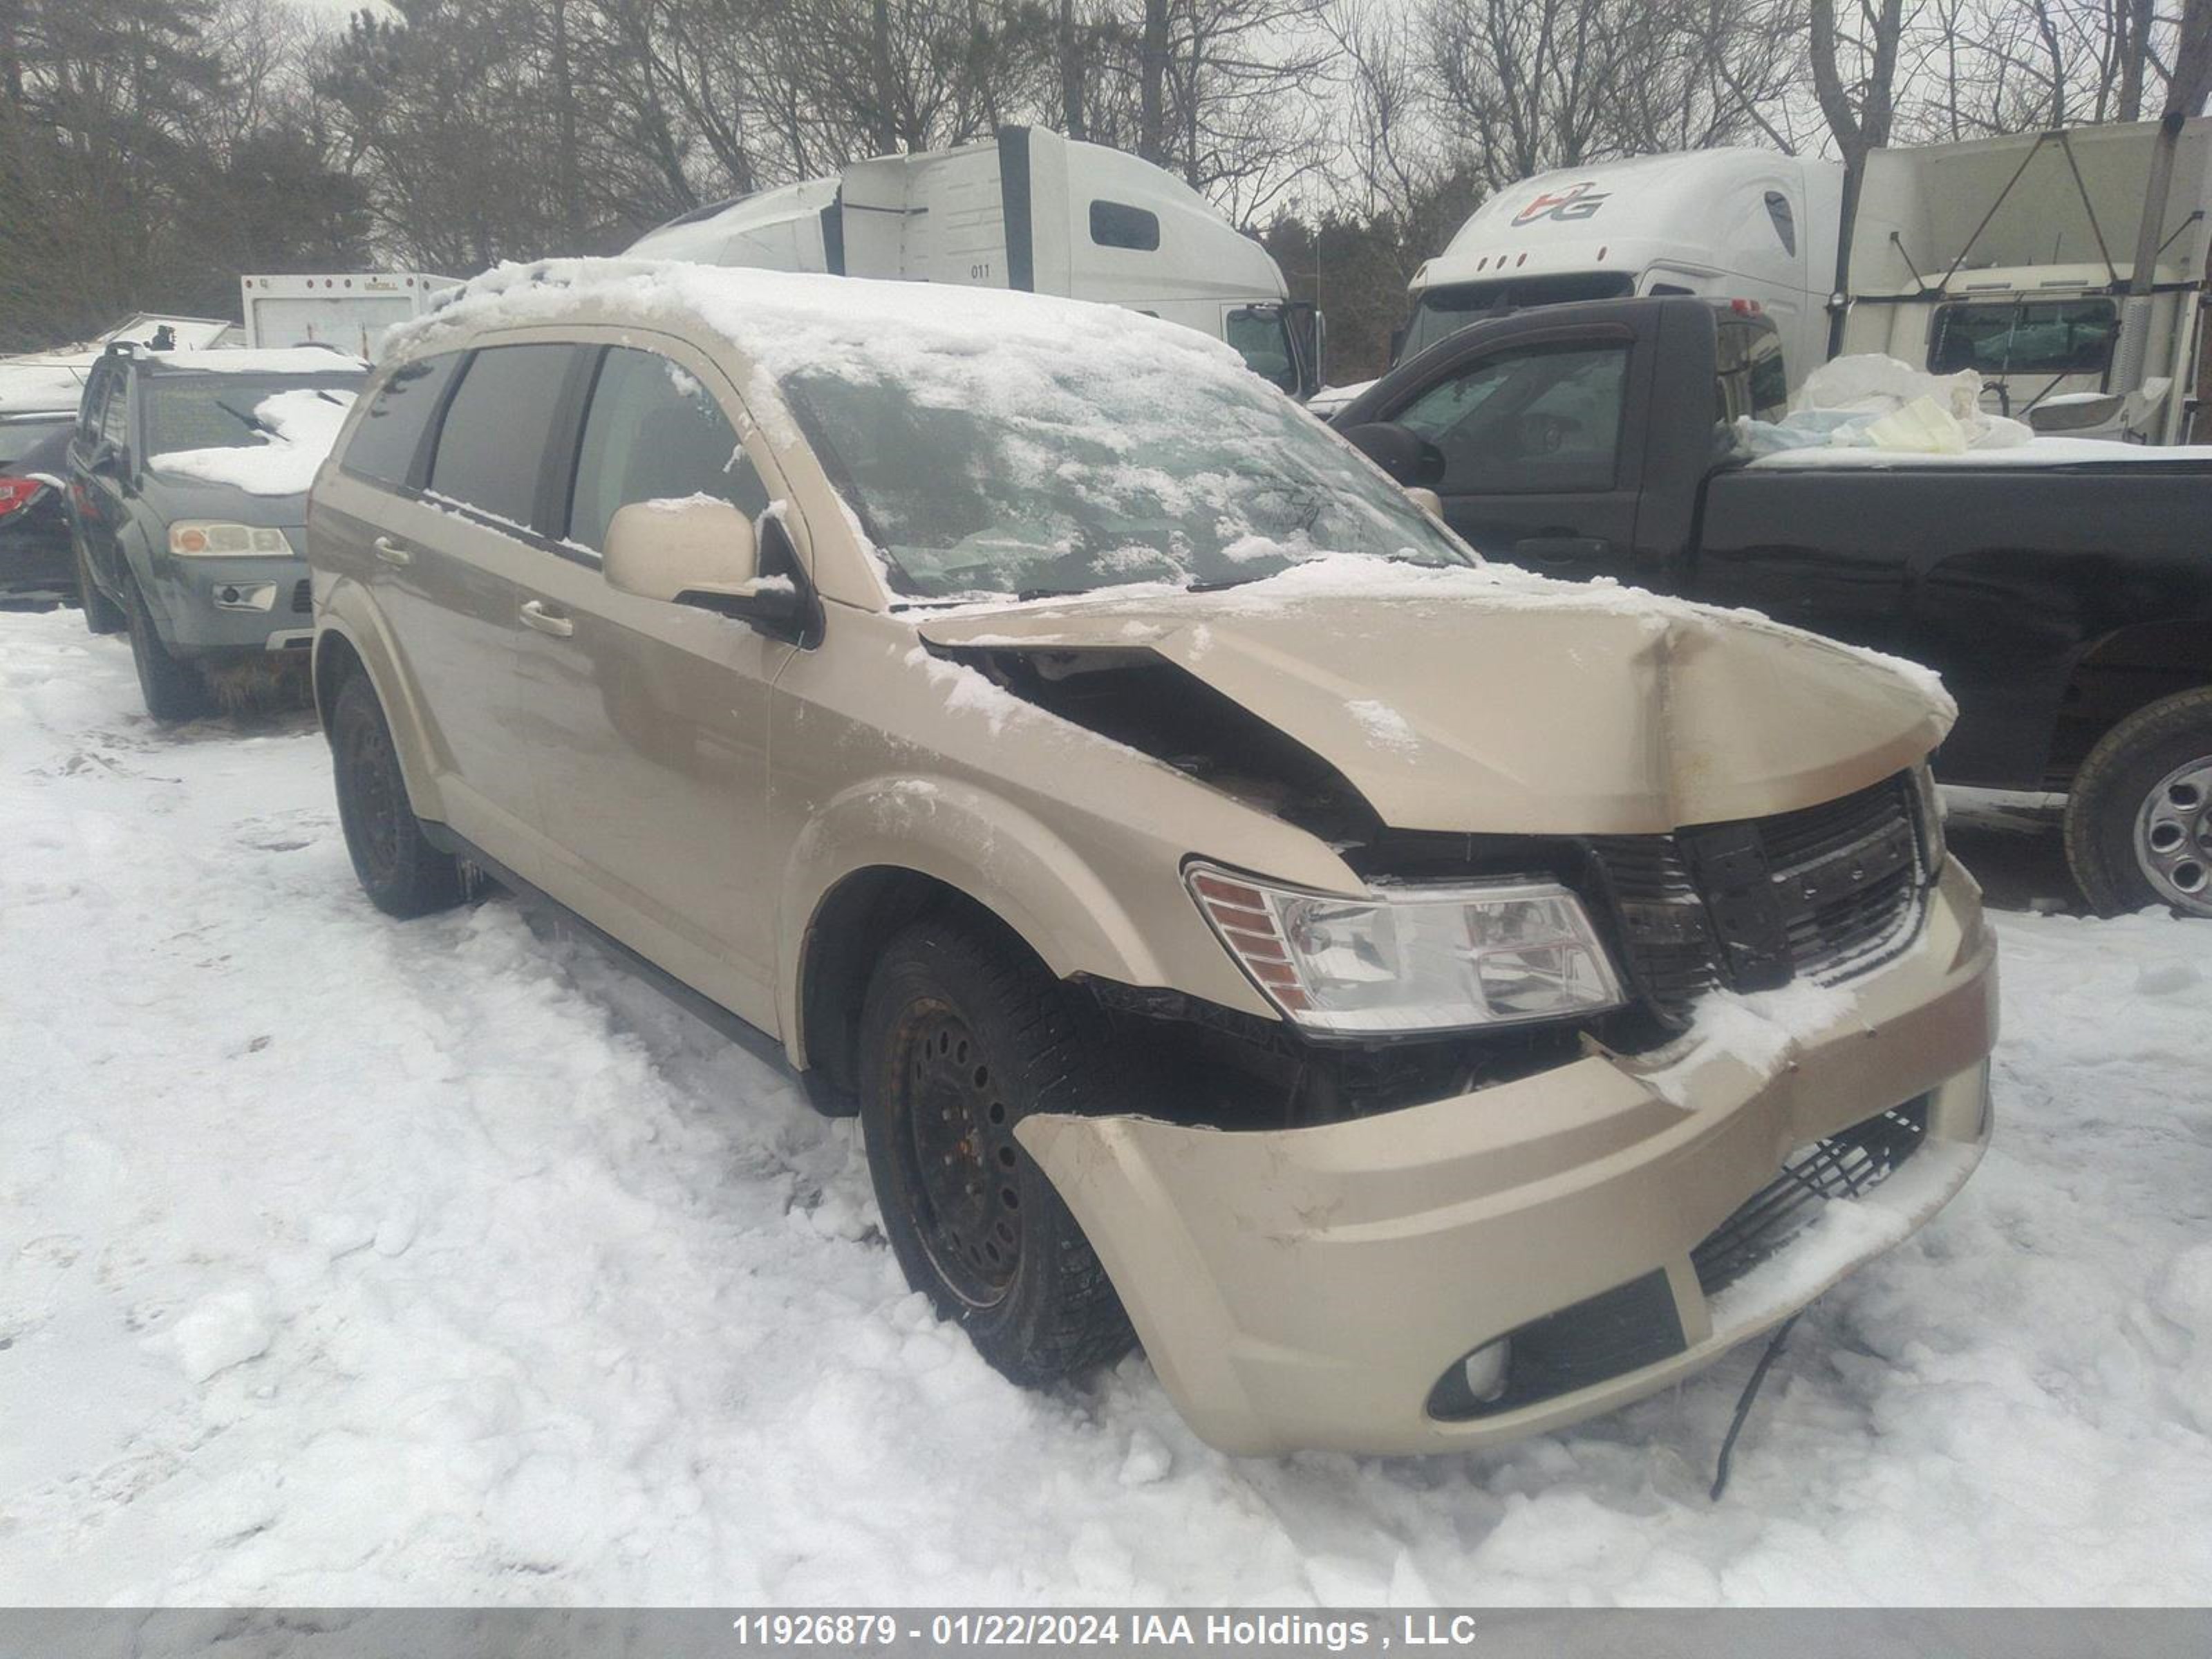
column 250, row 423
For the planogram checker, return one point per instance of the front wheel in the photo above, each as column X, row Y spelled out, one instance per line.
column 2139, row 818
column 963, row 1035
column 173, row 689
column 403, row 874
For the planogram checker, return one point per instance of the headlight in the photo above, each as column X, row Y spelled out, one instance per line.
column 1413, row 960
column 196, row 538
column 1927, row 808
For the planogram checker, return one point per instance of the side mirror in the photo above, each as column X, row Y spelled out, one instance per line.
column 667, row 550
column 703, row 552
column 106, row 458
column 1427, row 500
column 1403, row 453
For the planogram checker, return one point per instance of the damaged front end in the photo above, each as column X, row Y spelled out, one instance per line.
column 1493, row 1166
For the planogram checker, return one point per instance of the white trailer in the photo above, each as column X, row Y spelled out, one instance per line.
column 345, row 309
column 2013, row 257
column 1028, row 209
column 1734, row 224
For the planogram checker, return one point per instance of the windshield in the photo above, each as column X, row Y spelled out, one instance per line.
column 1262, row 339
column 1442, row 310
column 1071, row 481
column 215, row 411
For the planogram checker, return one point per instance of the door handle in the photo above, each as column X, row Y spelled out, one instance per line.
column 1561, row 550
column 535, row 615
column 391, row 553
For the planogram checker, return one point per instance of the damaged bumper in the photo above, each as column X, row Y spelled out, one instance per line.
column 1321, row 1287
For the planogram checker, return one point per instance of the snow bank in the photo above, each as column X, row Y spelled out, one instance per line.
column 303, row 426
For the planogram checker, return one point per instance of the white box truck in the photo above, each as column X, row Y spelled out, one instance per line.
column 345, row 309
column 2013, row 257
column 1030, row 209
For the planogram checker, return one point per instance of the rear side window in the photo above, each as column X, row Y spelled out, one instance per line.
column 654, row 434
column 1116, row 224
column 390, row 435
column 95, row 402
column 115, row 414
column 491, row 446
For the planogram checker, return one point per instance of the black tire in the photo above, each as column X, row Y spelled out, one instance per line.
column 963, row 1034
column 175, row 691
column 101, row 614
column 2111, row 808
column 403, row 874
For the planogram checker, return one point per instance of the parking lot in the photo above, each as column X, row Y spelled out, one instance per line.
column 344, row 1260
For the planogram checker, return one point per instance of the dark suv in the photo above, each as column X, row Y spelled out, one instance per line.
column 188, row 476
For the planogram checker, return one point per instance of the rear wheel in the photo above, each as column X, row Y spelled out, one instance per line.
column 175, row 689
column 403, row 874
column 963, row 1035
column 2139, row 818
column 101, row 614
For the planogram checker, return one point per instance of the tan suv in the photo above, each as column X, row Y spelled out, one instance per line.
column 1420, row 1002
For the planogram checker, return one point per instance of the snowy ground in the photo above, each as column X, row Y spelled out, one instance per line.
column 343, row 1261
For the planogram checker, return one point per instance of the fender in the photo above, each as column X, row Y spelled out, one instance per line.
column 350, row 611
column 954, row 832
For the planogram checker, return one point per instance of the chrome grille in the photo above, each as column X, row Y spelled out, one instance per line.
column 1824, row 894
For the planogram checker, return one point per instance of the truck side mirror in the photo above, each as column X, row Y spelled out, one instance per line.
column 1400, row 450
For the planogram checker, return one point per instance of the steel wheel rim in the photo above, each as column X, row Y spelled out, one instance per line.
column 2173, row 836
column 369, row 801
column 955, row 1139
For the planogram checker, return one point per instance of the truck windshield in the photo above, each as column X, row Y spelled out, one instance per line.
column 2027, row 337
column 1072, row 482
column 1442, row 310
column 1261, row 336
column 215, row 411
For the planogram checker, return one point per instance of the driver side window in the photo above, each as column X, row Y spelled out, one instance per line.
column 654, row 432
column 1543, row 421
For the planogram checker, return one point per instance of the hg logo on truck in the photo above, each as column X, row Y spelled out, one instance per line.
column 1575, row 202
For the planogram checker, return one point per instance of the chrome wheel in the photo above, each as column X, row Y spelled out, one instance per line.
column 2173, row 836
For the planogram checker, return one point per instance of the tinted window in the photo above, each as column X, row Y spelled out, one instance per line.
column 654, row 434
column 1444, row 311
column 1116, row 224
column 18, row 439
column 1261, row 338
column 1785, row 221
column 385, row 443
column 491, row 447
column 1547, row 419
column 96, row 393
column 2029, row 336
column 115, row 413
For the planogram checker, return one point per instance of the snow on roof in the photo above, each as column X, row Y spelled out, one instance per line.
column 304, row 425
column 233, row 359
column 843, row 325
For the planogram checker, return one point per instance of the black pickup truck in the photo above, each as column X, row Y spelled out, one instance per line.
column 2068, row 605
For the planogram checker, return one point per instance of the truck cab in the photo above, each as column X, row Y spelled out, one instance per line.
column 1730, row 224
column 1027, row 209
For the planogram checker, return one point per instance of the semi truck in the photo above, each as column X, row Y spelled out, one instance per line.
column 1027, row 209
column 2013, row 257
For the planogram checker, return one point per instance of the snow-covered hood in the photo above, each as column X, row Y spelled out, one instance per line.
column 1493, row 701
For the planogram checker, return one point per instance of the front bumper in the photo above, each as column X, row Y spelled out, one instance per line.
column 1309, row 1287
column 214, row 606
